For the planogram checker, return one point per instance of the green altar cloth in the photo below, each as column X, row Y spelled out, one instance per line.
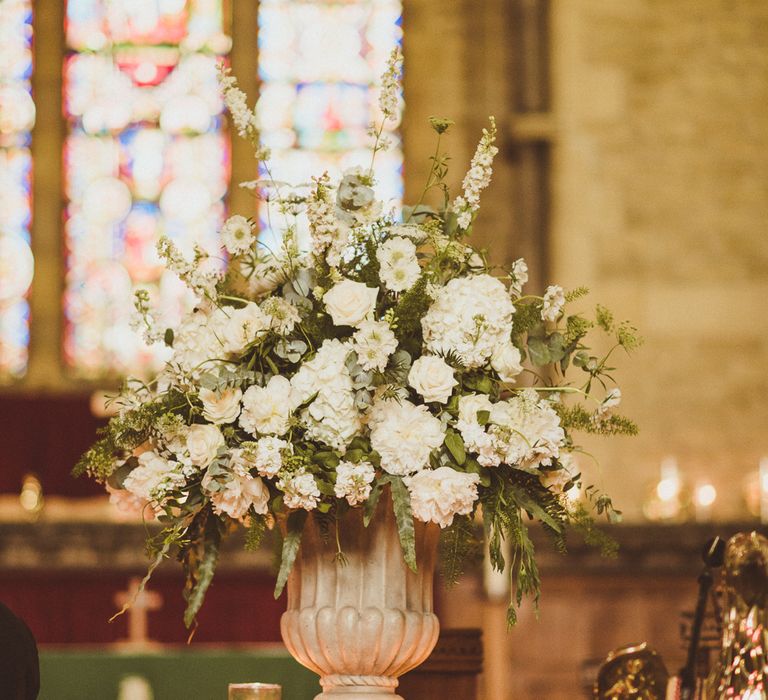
column 173, row 674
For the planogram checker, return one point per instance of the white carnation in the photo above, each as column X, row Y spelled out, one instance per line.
column 353, row 481
column 331, row 417
column 153, row 477
column 267, row 410
column 554, row 300
column 237, row 234
column 236, row 496
column 374, row 342
column 404, row 435
column 471, row 316
column 399, row 267
column 203, row 443
column 506, row 360
column 437, row 495
column 349, row 303
column 299, row 490
column 221, row 407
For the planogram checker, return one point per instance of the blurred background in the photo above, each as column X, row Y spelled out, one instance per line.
column 633, row 137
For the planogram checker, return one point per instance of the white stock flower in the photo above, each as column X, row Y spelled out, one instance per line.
column 554, row 299
column 299, row 490
column 236, row 496
column 349, row 303
column 268, row 456
column 237, row 234
column 331, row 417
column 374, row 342
column 353, row 481
column 203, row 443
column 432, row 378
column 390, row 84
column 329, row 234
column 399, row 268
column 518, row 277
column 478, row 177
column 471, row 316
column 506, row 360
column 243, row 326
column 153, row 477
column 267, row 410
column 604, row 410
column 437, row 495
column 220, row 407
column 404, row 435
column 282, row 315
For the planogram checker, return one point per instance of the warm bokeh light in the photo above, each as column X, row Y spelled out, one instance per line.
column 17, row 117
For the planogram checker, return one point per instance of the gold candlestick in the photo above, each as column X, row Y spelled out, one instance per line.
column 254, row 691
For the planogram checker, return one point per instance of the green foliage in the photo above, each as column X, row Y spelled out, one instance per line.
column 576, row 417
column 401, row 500
column 583, row 523
column 409, row 310
column 459, row 546
column 291, row 541
column 455, row 446
column 199, row 557
column 256, row 529
column 527, row 318
column 575, row 294
column 604, row 318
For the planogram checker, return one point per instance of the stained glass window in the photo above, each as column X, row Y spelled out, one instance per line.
column 145, row 155
column 17, row 116
column 319, row 63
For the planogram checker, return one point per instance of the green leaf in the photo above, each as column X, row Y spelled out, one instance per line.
column 483, row 417
column 168, row 337
column 202, row 567
column 538, row 351
column 455, row 446
column 401, row 500
column 369, row 508
column 456, row 546
column 291, row 542
column 528, row 504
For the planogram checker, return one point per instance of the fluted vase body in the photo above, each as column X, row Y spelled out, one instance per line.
column 361, row 623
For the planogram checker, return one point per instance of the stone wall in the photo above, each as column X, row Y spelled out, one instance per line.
column 660, row 206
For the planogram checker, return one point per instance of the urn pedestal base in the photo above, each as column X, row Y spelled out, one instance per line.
column 362, row 623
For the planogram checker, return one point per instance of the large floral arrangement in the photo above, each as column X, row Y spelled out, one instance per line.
column 384, row 359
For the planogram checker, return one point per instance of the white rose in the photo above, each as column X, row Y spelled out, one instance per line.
column 266, row 410
column 432, row 378
column 203, row 443
column 152, row 477
column 238, row 495
column 221, row 407
column 506, row 361
column 243, row 326
column 349, row 303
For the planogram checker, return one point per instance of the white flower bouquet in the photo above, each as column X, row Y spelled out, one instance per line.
column 383, row 359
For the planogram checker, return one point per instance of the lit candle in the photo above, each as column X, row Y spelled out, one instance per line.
column 704, row 496
column 668, row 489
column 764, row 490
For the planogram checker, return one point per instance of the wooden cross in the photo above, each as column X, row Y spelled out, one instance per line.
column 139, row 605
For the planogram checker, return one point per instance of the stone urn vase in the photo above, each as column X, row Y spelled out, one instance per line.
column 362, row 623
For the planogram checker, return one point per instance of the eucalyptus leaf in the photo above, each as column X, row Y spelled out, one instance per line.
column 538, row 351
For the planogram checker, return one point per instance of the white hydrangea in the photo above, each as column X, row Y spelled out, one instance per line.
column 554, row 300
column 196, row 342
column 331, row 417
column 268, row 456
column 243, row 326
column 399, row 267
column 221, row 407
column 471, row 316
column 154, row 477
column 283, row 316
column 404, row 435
column 437, row 495
column 521, row 431
column 237, row 234
column 353, row 481
column 299, row 490
column 374, row 342
column 267, row 410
